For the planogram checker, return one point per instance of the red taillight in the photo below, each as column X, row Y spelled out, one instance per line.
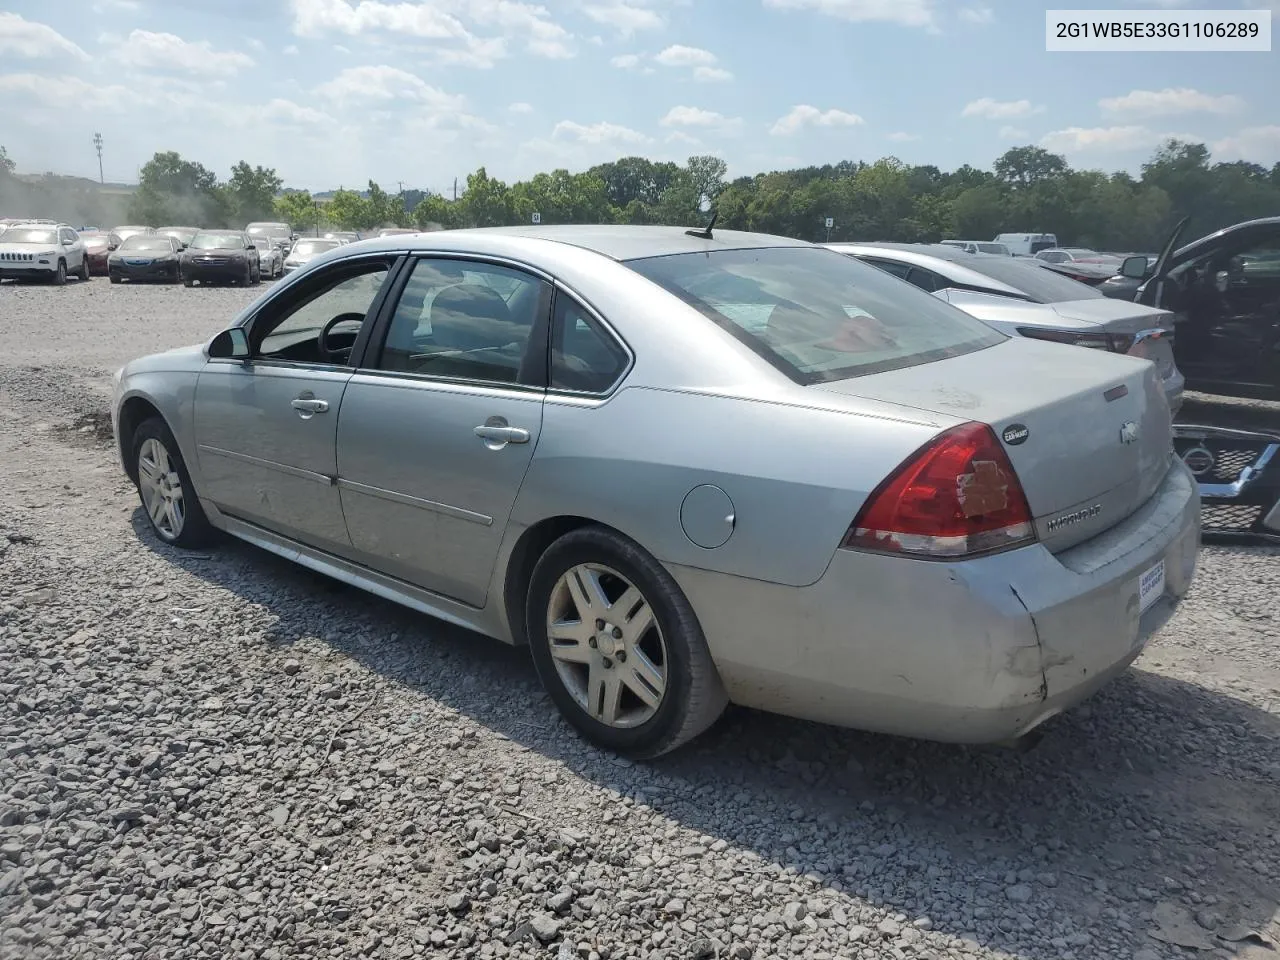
column 955, row 497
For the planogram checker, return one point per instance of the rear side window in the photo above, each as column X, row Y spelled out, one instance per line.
column 815, row 314
column 584, row 357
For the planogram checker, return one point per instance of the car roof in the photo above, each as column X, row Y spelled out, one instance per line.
column 951, row 262
column 615, row 241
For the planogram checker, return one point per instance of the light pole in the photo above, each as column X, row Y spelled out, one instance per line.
column 97, row 145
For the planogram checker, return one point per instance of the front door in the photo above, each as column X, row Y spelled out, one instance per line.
column 438, row 427
column 1231, row 335
column 266, row 427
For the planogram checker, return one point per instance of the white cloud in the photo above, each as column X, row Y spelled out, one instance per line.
column 520, row 107
column 711, row 74
column 625, row 18
column 384, row 84
column 977, row 14
column 701, row 119
column 286, row 113
column 908, row 13
column 67, row 94
column 1013, row 133
column 1101, row 139
column 167, row 52
column 899, row 136
column 116, row 6
column 679, row 136
column 804, row 115
column 989, row 109
column 440, row 20
column 1169, row 102
column 1259, row 144
column 626, row 61
column 20, row 37
column 682, row 56
column 290, row 51
column 597, row 133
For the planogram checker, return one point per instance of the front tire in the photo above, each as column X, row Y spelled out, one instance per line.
column 114, row 278
column 60, row 274
column 618, row 646
column 84, row 269
column 165, row 489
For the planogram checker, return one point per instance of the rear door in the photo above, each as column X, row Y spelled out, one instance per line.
column 438, row 427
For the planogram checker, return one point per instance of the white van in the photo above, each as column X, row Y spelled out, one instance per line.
column 1027, row 244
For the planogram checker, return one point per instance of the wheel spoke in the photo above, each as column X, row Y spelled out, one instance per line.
column 604, row 691
column 588, row 595
column 568, row 648
column 174, row 512
column 156, row 507
column 644, row 679
column 147, row 467
column 635, row 614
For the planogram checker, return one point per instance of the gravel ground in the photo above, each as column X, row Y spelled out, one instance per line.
column 223, row 755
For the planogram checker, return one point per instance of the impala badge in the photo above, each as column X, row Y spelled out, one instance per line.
column 1128, row 432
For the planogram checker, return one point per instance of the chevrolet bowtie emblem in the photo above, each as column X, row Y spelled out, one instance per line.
column 1128, row 432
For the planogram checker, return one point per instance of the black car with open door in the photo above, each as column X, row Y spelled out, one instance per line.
column 1225, row 289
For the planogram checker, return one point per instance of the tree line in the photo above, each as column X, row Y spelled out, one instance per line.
column 1026, row 189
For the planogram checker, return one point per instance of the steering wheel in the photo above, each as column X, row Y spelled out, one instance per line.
column 337, row 352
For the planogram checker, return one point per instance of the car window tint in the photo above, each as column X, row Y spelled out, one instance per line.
column 899, row 270
column 584, row 357
column 925, row 279
column 292, row 330
column 469, row 321
column 817, row 315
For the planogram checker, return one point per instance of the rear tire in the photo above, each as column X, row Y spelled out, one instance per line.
column 164, row 486
column 649, row 685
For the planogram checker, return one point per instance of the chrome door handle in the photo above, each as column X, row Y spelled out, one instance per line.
column 496, row 434
column 307, row 405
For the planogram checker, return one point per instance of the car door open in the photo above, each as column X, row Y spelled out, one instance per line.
column 438, row 428
column 266, row 425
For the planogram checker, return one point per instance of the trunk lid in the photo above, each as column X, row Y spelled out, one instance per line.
column 1098, row 436
column 1133, row 319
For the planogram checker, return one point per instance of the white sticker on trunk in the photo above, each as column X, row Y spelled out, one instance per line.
column 1150, row 587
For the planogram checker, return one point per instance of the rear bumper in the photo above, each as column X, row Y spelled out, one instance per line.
column 976, row 651
column 1238, row 472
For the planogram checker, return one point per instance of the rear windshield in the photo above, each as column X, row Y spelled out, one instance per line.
column 1041, row 285
column 815, row 314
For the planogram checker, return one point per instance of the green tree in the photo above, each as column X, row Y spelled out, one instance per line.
column 251, row 193
column 6, row 163
column 434, row 211
column 299, row 210
column 486, row 201
column 1028, row 166
column 349, row 211
column 172, row 190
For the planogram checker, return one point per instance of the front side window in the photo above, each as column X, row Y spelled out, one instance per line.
column 584, row 357
column 463, row 320
column 67, row 236
column 321, row 322
column 815, row 314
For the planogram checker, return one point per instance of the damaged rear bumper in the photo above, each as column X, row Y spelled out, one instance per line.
column 975, row 651
column 1238, row 472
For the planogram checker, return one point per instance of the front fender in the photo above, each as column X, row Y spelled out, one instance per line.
column 172, row 394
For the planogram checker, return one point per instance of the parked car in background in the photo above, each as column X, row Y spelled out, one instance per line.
column 1068, row 255
column 42, row 250
column 270, row 260
column 1226, row 289
column 1027, row 244
column 971, row 531
column 346, row 236
column 182, row 234
column 395, row 231
column 979, row 246
column 127, row 231
column 98, row 245
column 270, row 233
column 146, row 257
column 1021, row 297
column 220, row 256
column 305, row 249
column 1092, row 273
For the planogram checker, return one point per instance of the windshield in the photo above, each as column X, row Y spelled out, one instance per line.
column 1041, row 285
column 216, row 241
column 307, row 248
column 144, row 241
column 182, row 233
column 30, row 235
column 815, row 314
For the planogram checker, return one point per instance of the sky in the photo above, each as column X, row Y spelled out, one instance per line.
column 336, row 92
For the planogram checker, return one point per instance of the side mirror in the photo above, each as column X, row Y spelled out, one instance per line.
column 113, row 246
column 232, row 344
column 1135, row 268
column 250, row 246
column 182, row 246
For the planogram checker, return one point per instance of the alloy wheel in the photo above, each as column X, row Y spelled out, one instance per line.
column 607, row 646
column 161, row 487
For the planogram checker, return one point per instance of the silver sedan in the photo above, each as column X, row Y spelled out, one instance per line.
column 686, row 469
